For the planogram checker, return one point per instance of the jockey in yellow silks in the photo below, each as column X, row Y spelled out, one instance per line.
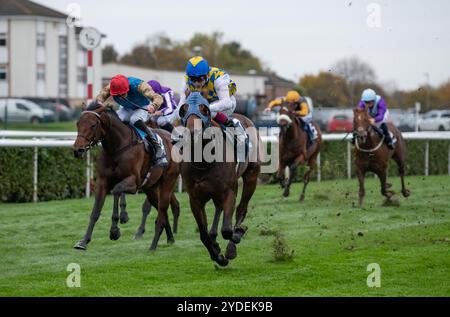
column 300, row 107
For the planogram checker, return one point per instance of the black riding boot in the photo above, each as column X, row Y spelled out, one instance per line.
column 387, row 136
column 158, row 157
column 168, row 127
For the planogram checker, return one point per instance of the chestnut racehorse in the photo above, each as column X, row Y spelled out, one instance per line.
column 372, row 154
column 294, row 150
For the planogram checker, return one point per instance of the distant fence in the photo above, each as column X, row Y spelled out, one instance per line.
column 36, row 140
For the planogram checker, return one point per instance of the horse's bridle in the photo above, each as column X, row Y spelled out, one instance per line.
column 97, row 138
column 376, row 148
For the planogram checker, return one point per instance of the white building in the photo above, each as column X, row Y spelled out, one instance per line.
column 248, row 85
column 40, row 55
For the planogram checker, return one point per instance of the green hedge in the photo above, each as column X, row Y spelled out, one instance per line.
column 334, row 160
column 61, row 176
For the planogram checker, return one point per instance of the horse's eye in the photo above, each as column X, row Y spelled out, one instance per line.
column 93, row 126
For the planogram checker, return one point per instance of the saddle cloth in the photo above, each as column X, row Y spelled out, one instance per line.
column 142, row 136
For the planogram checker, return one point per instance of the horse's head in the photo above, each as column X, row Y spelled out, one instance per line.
column 91, row 127
column 361, row 124
column 286, row 119
column 196, row 108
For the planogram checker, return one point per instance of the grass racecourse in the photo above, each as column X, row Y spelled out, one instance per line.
column 332, row 240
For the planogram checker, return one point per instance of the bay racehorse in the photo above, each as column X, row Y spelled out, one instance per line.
column 372, row 154
column 217, row 180
column 294, row 150
column 123, row 166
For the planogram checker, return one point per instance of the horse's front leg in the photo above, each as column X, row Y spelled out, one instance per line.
column 215, row 224
column 383, row 177
column 299, row 160
column 198, row 210
column 175, row 206
column 362, row 191
column 228, row 210
column 146, row 208
column 292, row 173
column 123, row 209
column 114, row 232
column 162, row 220
column 100, row 195
column 280, row 174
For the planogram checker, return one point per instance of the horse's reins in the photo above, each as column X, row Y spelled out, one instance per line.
column 376, row 148
column 96, row 140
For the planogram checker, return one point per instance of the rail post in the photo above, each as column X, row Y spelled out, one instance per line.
column 35, row 174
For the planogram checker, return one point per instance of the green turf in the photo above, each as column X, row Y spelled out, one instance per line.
column 53, row 126
column 333, row 242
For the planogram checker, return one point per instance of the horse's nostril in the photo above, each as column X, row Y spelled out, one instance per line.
column 78, row 153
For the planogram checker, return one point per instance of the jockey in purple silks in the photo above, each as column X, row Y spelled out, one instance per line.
column 379, row 114
column 166, row 113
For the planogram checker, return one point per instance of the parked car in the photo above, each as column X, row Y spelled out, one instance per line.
column 22, row 110
column 61, row 111
column 404, row 120
column 340, row 123
column 435, row 120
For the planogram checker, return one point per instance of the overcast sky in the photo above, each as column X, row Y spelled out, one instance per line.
column 294, row 37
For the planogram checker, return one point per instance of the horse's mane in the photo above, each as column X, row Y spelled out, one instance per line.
column 95, row 106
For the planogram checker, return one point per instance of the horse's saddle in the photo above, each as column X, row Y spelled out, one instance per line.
column 142, row 136
column 393, row 137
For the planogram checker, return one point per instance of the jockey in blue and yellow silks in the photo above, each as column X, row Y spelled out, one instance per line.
column 215, row 85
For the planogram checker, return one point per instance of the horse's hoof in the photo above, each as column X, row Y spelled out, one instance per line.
column 236, row 238
column 231, row 252
column 221, row 260
column 286, row 193
column 80, row 245
column 406, row 193
column 139, row 234
column 227, row 234
column 124, row 219
column 388, row 185
column 114, row 234
column 302, row 198
column 170, row 241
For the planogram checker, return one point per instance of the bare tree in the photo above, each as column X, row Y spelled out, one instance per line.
column 356, row 72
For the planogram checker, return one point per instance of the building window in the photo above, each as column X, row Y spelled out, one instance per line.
column 63, row 61
column 40, row 71
column 82, row 74
column 3, row 73
column 40, row 40
column 2, row 39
